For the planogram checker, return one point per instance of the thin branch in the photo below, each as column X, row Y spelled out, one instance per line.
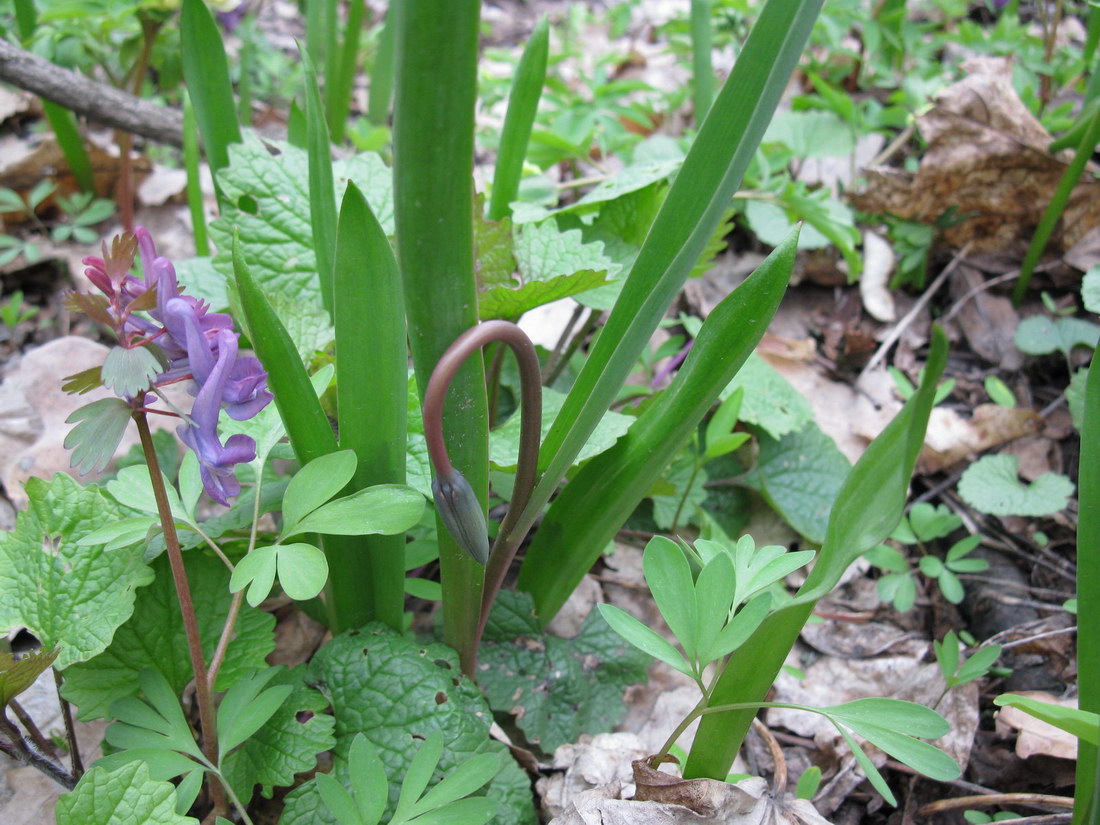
column 44, row 744
column 96, row 101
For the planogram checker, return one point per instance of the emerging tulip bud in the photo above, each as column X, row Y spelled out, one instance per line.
column 457, row 505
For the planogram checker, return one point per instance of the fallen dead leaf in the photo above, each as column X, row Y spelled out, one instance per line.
column 987, row 157
column 1035, row 736
column 987, row 321
column 878, row 266
column 950, row 438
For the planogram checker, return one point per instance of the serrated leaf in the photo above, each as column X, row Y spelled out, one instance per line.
column 126, row 796
column 16, row 675
column 130, row 371
column 154, row 638
column 494, row 263
column 504, row 440
column 315, row 484
column 770, row 402
column 396, row 692
column 286, row 745
column 559, row 688
column 69, row 595
column 990, row 485
column 95, row 439
column 266, row 197
column 800, row 475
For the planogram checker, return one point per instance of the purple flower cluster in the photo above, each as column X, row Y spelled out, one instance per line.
column 198, row 344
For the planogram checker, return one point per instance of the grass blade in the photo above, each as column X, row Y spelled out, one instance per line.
column 206, row 72
column 191, row 158
column 1088, row 592
column 372, row 380
column 867, row 508
column 433, row 211
column 523, row 103
column 700, row 58
column 594, row 505
column 322, row 190
column 339, row 86
column 695, row 205
column 381, row 76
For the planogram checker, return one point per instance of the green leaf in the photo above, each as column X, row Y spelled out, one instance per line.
column 808, row 783
column 743, row 625
column 247, row 706
column 552, row 265
column 556, row 688
column 1041, row 335
column 811, row 134
column 419, row 773
column 396, row 693
column 303, row 570
column 668, row 575
column 126, row 796
column 130, row 371
column 644, row 638
column 322, row 191
column 932, row 522
column 914, row 719
column 504, row 440
column 978, row 664
column 132, row 488
column 383, row 508
column 1075, row 396
column 95, row 439
column 338, row 801
column 155, row 722
column 207, row 74
column 154, row 638
column 800, row 476
column 314, row 484
column 714, row 590
column 1080, row 723
column 16, row 675
column 459, row 783
column 999, row 392
column 677, row 478
column 69, row 595
column 267, row 199
column 947, row 655
column 368, row 780
column 1090, row 290
column 990, row 485
column 286, row 745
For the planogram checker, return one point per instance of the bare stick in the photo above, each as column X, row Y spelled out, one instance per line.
column 94, row 100
column 70, row 731
column 44, row 744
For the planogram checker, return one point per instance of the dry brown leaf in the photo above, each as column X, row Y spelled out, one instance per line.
column 1035, row 736
column 951, row 438
column 987, row 156
column 988, row 321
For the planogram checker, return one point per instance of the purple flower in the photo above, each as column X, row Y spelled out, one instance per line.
column 217, row 461
column 198, row 344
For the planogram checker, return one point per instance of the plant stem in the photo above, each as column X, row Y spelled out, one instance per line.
column 19, row 749
column 70, row 732
column 505, row 546
column 187, row 608
column 687, row 491
column 44, row 744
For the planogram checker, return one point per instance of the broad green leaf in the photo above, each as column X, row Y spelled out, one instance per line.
column 1075, row 396
column 668, row 575
column 1090, row 290
column 552, row 265
column 16, row 675
column 97, row 434
column 154, row 638
column 383, row 508
column 133, row 488
column 69, row 595
column 556, row 688
column 126, row 796
column 1081, row 723
column 338, row 801
column 1041, row 335
column 800, row 476
column 303, row 570
column 130, row 371
column 921, row 756
column 368, row 779
column 990, row 485
column 396, row 693
column 504, row 440
column 314, row 484
column 932, row 522
column 123, row 533
column 811, row 134
column 267, row 198
column 286, row 745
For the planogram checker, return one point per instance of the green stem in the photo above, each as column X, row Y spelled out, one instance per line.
column 203, row 699
column 696, row 465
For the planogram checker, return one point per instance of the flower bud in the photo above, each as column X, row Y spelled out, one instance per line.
column 457, row 505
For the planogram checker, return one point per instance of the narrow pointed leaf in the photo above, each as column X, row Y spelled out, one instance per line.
column 419, row 774
column 644, row 638
column 669, row 578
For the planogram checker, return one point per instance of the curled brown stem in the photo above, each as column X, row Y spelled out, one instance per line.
column 505, row 546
